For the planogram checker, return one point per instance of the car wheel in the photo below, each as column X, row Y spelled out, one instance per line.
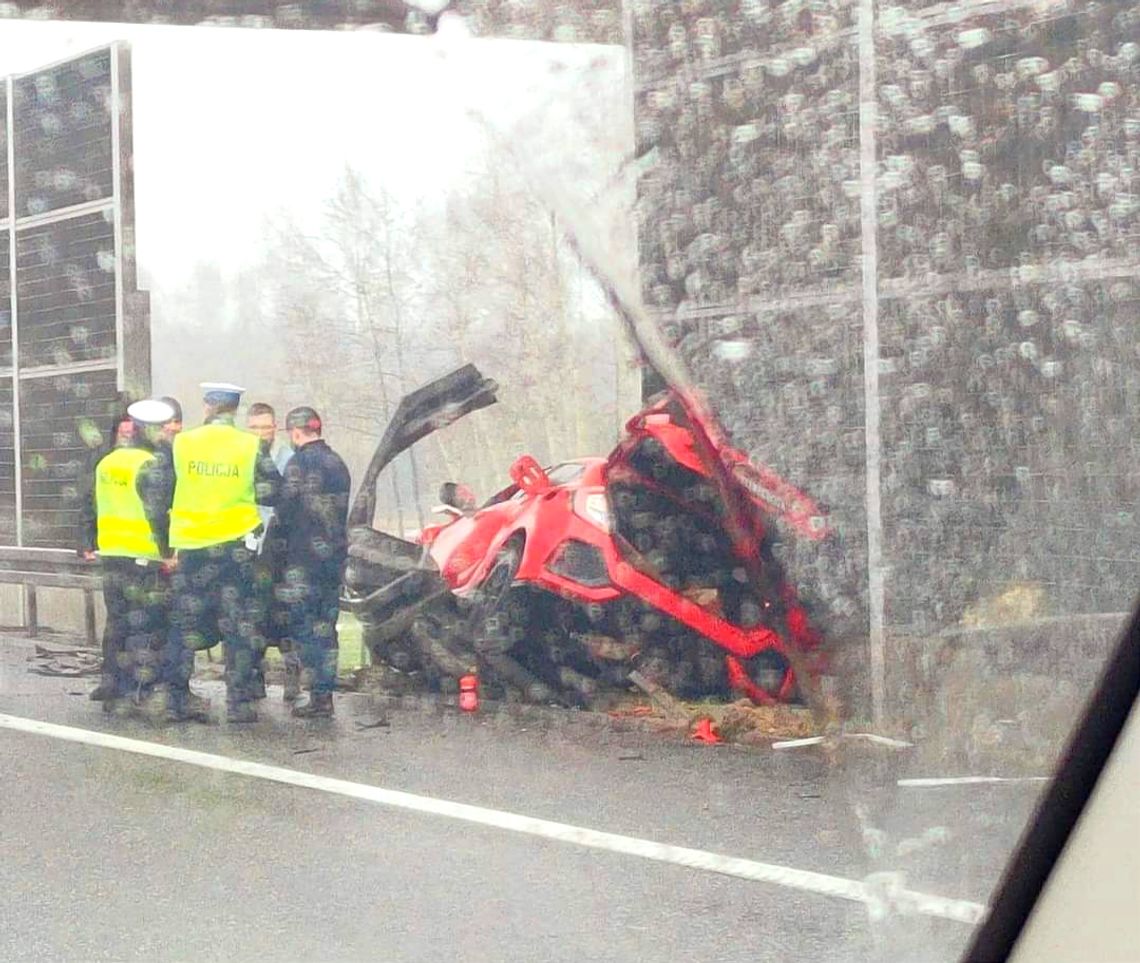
column 496, row 620
column 399, row 652
column 443, row 659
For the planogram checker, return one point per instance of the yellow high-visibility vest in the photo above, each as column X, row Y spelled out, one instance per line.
column 214, row 498
column 121, row 523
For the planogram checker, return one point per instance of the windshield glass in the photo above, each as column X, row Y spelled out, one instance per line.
column 565, row 474
column 886, row 258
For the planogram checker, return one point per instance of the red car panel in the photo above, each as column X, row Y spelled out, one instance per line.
column 697, row 509
column 465, row 549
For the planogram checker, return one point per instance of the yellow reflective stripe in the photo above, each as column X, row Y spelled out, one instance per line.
column 223, row 519
column 121, row 536
column 121, row 522
column 214, row 498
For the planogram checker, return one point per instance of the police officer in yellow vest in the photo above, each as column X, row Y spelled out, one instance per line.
column 126, row 521
column 221, row 475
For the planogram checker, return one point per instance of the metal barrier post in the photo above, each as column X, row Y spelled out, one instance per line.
column 89, row 615
column 31, row 612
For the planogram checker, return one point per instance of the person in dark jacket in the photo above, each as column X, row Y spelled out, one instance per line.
column 157, row 486
column 313, row 516
column 174, row 426
column 269, row 566
column 126, row 519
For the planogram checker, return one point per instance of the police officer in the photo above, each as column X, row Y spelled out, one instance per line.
column 313, row 515
column 127, row 520
column 222, row 474
column 120, row 433
column 162, row 474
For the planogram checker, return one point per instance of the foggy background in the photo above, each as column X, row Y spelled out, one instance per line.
column 333, row 219
column 349, row 229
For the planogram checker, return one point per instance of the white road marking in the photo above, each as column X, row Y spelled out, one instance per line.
column 903, row 900
column 967, row 781
column 868, row 736
column 879, row 740
column 796, row 743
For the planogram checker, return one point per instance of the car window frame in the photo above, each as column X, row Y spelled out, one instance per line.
column 1043, row 841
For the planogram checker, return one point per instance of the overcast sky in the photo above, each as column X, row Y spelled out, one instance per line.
column 232, row 125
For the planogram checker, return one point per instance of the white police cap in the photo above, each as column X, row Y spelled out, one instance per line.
column 150, row 411
column 221, row 392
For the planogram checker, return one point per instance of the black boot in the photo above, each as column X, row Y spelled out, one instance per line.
column 241, row 712
column 196, row 708
column 314, row 705
column 102, row 692
column 176, row 706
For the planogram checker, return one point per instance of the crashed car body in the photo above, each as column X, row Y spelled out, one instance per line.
column 577, row 573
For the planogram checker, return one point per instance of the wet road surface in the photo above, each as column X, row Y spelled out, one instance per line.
column 109, row 855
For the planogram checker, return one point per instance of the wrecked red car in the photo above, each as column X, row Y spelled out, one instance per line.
column 562, row 583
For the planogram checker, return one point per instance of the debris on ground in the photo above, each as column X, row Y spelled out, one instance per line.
column 51, row 649
column 741, row 721
column 64, row 661
column 380, row 677
column 649, row 707
column 668, row 705
column 704, row 731
column 375, row 724
column 630, row 711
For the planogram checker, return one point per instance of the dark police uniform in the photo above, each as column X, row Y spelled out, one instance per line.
column 126, row 521
column 222, row 474
column 313, row 515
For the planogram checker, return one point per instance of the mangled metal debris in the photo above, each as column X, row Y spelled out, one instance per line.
column 64, row 661
column 656, row 560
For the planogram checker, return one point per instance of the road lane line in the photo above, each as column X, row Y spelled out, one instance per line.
column 867, row 736
column 901, row 900
column 966, row 781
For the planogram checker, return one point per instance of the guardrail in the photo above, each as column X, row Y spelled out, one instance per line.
column 33, row 568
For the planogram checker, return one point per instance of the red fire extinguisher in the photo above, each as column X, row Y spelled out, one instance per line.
column 469, row 692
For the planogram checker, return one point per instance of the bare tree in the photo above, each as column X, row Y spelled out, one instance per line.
column 382, row 298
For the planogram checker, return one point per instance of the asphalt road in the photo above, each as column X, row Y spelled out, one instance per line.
column 109, row 855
